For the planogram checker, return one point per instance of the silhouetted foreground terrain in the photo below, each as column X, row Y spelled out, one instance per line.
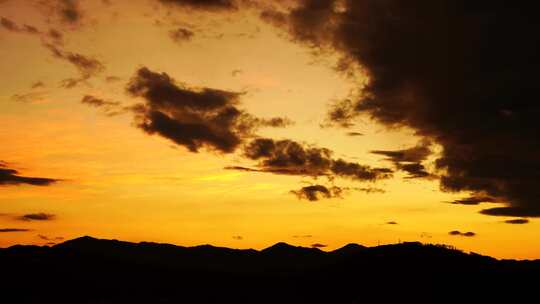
column 88, row 270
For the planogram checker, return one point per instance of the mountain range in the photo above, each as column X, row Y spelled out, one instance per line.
column 90, row 270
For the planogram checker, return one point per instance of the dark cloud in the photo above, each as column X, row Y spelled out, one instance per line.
column 473, row 200
column 69, row 10
column 10, row 25
column 204, row 118
column 56, row 36
column 87, row 66
column 317, row 192
column 38, row 84
column 181, row 34
column 354, row 134
column 6, row 230
column 517, row 221
column 43, row 237
column 512, row 211
column 459, row 233
column 37, row 217
column 318, row 245
column 211, row 5
column 97, row 102
column 10, row 176
column 238, row 237
column 109, row 108
column 409, row 160
column 460, row 73
column 391, row 223
column 291, row 158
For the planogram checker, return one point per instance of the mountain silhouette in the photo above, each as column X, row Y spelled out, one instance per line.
column 90, row 270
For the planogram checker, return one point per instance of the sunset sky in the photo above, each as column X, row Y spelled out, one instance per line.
column 245, row 123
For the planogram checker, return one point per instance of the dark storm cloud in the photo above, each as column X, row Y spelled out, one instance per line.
column 517, row 221
column 37, row 217
column 87, row 66
column 7, row 230
column 318, row 245
column 11, row 177
column 460, row 73
column 317, row 192
column 459, row 233
column 181, row 34
column 193, row 118
column 292, row 158
column 212, row 5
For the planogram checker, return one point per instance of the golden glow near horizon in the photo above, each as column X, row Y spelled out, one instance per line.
column 118, row 182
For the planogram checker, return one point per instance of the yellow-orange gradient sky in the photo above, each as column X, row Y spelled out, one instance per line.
column 76, row 158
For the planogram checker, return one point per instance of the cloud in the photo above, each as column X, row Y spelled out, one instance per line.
column 112, row 79
column 109, row 108
column 458, row 73
column 209, row 5
column 517, row 221
column 318, row 245
column 37, row 217
column 305, row 236
column 409, row 160
column 69, row 11
column 11, row 177
column 29, row 97
column 292, row 158
column 87, row 66
column 458, row 233
column 316, row 192
column 38, row 84
column 7, row 230
column 352, row 134
column 391, row 223
column 97, row 102
column 473, row 200
column 180, row 35
column 238, row 237
column 10, row 25
column 236, row 72
column 193, row 118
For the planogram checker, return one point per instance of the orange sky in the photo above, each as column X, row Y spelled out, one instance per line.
column 116, row 181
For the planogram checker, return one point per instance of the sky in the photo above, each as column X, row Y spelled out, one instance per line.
column 244, row 123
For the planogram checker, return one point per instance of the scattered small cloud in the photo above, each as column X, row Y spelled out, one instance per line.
column 459, row 233
column 37, row 217
column 181, row 35
column 517, row 221
column 8, row 230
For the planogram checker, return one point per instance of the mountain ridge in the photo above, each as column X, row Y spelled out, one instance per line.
column 91, row 270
